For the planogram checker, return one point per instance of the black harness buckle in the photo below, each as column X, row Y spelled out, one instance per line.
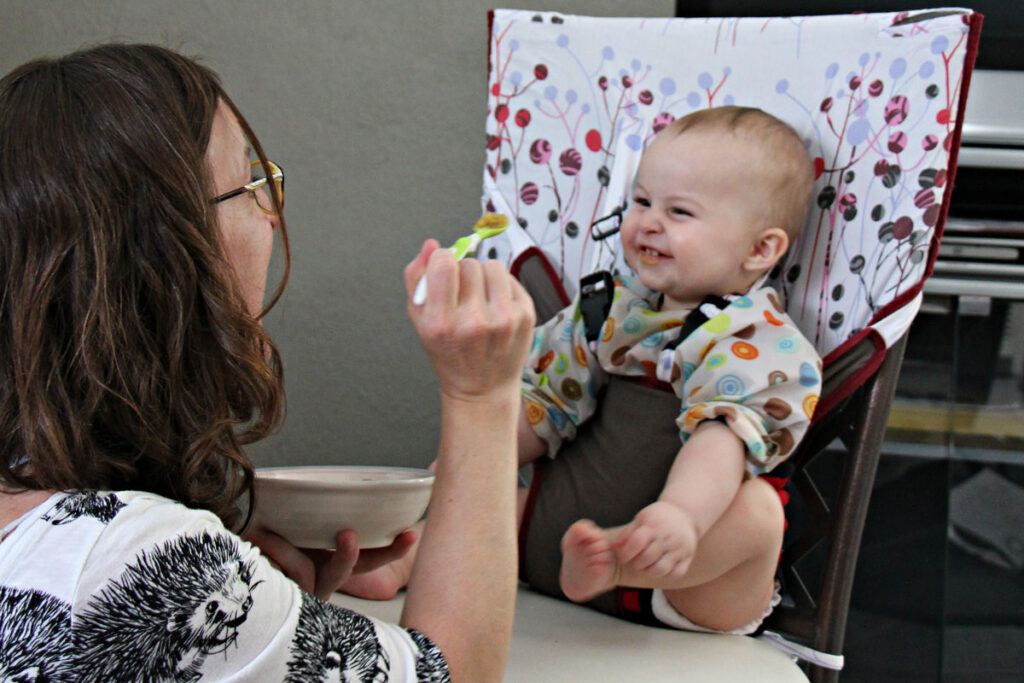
column 596, row 292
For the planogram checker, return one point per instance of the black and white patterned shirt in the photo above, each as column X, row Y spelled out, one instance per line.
column 129, row 586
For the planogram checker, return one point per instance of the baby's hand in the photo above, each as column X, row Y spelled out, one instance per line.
column 658, row 544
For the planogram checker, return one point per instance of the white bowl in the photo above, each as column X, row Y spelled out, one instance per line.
column 308, row 506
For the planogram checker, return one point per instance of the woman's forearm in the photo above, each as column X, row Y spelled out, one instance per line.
column 462, row 590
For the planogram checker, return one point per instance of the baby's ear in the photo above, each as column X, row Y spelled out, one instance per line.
column 767, row 248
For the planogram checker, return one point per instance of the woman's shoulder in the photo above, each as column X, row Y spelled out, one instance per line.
column 58, row 555
column 85, row 515
column 90, row 533
column 146, row 534
column 104, row 507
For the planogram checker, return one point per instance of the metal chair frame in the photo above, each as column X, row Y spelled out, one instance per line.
column 851, row 436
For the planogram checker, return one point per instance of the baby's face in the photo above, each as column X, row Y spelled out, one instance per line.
column 693, row 216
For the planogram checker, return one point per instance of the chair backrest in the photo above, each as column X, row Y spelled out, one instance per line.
column 879, row 100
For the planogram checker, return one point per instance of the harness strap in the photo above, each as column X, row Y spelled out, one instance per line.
column 596, row 293
column 598, row 289
column 709, row 307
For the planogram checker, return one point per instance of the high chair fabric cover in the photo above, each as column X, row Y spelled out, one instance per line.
column 878, row 98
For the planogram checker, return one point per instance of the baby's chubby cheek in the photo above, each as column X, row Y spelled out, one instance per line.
column 629, row 254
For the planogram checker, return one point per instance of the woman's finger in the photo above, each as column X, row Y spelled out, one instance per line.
column 418, row 266
column 295, row 564
column 497, row 281
column 519, row 292
column 442, row 280
column 334, row 568
column 471, row 281
column 378, row 557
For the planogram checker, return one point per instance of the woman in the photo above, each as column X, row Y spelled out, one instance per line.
column 133, row 368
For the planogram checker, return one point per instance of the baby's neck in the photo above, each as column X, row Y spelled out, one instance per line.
column 667, row 304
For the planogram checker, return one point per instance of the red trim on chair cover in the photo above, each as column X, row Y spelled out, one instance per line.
column 829, row 401
column 490, row 32
column 556, row 282
column 629, row 599
column 652, row 383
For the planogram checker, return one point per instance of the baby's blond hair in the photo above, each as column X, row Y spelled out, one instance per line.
column 788, row 187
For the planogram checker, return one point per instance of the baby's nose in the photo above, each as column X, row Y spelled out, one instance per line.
column 651, row 221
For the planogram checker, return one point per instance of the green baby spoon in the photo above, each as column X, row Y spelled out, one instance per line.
column 489, row 225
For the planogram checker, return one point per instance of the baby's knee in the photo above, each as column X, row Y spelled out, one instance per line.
column 763, row 507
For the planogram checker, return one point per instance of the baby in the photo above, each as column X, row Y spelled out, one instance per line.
column 719, row 195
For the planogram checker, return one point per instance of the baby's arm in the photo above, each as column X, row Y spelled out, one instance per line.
column 706, row 474
column 531, row 446
column 704, row 479
column 560, row 384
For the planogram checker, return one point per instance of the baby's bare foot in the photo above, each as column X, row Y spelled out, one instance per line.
column 382, row 583
column 588, row 562
column 655, row 549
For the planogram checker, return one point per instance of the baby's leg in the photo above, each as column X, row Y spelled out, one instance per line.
column 384, row 582
column 731, row 579
column 724, row 583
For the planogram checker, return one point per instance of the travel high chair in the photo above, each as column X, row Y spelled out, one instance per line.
column 879, row 101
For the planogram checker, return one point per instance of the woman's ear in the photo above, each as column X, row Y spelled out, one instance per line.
column 767, row 248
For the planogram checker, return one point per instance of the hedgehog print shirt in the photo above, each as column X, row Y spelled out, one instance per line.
column 747, row 365
column 130, row 586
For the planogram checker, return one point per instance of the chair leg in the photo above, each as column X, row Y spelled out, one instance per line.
column 867, row 436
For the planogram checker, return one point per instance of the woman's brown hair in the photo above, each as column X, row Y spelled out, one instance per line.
column 128, row 359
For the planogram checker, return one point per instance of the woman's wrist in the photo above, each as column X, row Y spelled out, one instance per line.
column 503, row 397
column 488, row 417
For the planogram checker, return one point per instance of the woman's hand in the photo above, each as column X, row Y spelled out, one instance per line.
column 475, row 325
column 320, row 572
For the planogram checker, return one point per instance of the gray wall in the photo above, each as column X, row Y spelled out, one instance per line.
column 376, row 111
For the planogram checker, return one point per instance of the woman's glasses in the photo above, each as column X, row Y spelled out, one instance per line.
column 259, row 179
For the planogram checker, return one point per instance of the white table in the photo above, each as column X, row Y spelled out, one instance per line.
column 560, row 641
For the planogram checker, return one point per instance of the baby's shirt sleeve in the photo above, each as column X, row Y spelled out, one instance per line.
column 169, row 594
column 562, row 378
column 752, row 368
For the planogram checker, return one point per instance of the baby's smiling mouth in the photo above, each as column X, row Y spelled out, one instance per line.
column 649, row 256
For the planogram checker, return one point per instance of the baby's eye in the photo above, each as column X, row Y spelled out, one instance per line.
column 642, row 201
column 680, row 212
